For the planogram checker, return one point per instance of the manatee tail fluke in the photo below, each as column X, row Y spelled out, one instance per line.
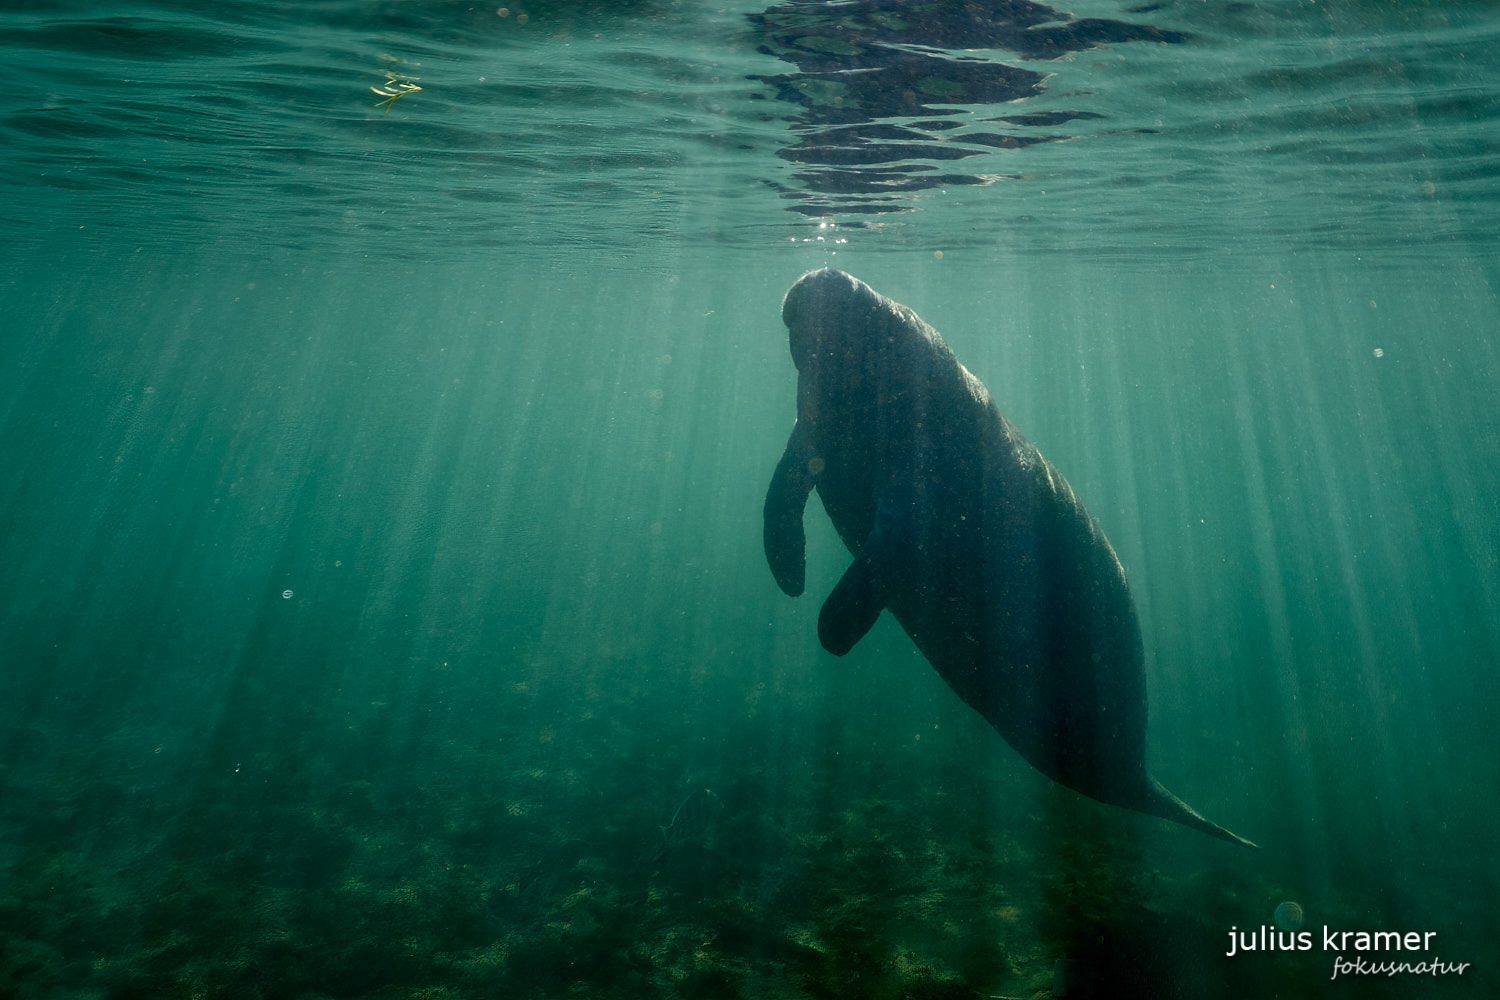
column 1168, row 806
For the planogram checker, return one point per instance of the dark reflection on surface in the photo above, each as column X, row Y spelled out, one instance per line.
column 863, row 63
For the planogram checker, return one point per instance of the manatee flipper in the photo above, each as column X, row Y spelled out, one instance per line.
column 1160, row 802
column 785, row 541
column 863, row 590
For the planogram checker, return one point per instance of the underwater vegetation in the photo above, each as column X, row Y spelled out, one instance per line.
column 363, row 863
column 397, row 83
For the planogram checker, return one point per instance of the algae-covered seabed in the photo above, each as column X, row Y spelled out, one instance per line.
column 291, row 873
column 899, row 871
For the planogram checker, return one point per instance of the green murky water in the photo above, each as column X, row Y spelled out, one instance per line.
column 380, row 556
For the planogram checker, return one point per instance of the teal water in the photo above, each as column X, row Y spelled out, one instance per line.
column 380, row 556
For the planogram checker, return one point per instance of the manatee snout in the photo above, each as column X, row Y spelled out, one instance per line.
column 821, row 312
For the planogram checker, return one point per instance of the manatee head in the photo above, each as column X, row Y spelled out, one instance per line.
column 831, row 315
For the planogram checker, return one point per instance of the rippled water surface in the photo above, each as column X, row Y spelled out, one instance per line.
column 1171, row 129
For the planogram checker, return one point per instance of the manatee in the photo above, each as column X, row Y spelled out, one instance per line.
column 973, row 541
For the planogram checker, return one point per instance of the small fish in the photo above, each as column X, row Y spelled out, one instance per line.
column 693, row 821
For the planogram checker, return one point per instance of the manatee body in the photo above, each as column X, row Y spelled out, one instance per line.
column 967, row 534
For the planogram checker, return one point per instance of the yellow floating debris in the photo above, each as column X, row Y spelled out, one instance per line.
column 396, row 86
